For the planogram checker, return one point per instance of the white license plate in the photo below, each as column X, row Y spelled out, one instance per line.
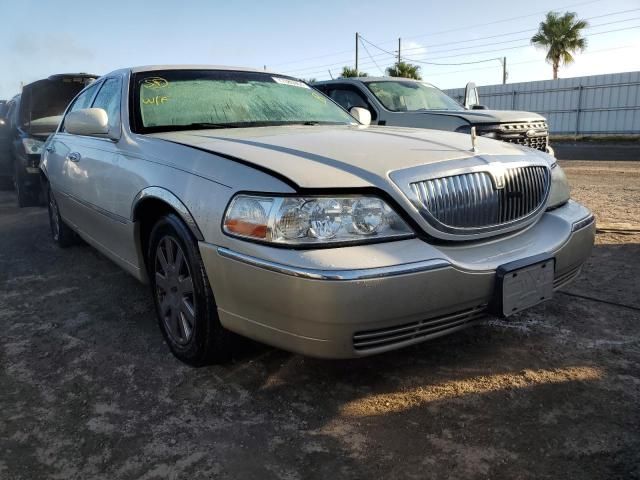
column 527, row 286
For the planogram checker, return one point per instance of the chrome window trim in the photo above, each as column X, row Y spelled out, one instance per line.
column 335, row 275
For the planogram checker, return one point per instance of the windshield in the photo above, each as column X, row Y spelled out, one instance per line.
column 190, row 99
column 400, row 96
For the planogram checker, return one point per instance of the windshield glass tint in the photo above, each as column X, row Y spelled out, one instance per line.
column 179, row 99
column 412, row 96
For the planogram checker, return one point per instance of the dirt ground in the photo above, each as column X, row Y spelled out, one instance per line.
column 89, row 390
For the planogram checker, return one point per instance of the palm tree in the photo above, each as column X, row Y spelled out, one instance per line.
column 405, row 70
column 352, row 72
column 562, row 36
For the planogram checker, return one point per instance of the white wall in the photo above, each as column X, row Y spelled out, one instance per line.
column 597, row 104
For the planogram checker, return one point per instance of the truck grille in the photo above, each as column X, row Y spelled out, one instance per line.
column 529, row 134
column 472, row 201
column 415, row 332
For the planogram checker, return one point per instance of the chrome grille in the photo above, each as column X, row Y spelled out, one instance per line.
column 517, row 133
column 417, row 331
column 472, row 201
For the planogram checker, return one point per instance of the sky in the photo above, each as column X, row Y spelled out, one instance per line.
column 307, row 39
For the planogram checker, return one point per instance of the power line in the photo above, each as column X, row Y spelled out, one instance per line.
column 423, row 60
column 415, row 60
column 318, row 67
column 524, row 38
column 437, row 33
column 500, row 21
column 428, row 63
column 367, row 50
column 519, row 31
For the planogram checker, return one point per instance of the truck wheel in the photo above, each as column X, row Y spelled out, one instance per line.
column 26, row 197
column 183, row 298
column 60, row 231
column 6, row 183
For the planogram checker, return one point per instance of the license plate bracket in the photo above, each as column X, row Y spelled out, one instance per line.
column 523, row 284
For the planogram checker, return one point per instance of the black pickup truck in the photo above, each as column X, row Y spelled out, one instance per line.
column 29, row 118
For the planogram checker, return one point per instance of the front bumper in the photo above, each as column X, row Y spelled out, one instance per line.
column 356, row 301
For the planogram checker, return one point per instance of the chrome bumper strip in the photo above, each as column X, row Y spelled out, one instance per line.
column 344, row 275
column 585, row 222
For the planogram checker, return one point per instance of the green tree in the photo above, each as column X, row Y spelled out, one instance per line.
column 405, row 70
column 352, row 72
column 309, row 80
column 561, row 36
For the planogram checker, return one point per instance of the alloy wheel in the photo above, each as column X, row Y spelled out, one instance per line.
column 174, row 290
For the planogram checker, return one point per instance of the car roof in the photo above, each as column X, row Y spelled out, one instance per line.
column 365, row 80
column 151, row 68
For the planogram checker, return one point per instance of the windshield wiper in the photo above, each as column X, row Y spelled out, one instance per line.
column 210, row 125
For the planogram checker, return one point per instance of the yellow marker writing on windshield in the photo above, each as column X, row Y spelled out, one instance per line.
column 157, row 100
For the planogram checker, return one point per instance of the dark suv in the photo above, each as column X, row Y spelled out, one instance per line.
column 30, row 118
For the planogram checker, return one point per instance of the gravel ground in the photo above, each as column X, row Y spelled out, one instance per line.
column 89, row 390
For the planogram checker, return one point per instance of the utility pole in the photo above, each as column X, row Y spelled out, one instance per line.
column 504, row 70
column 357, row 42
column 399, row 44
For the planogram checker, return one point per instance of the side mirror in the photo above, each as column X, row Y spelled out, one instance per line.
column 471, row 96
column 87, row 121
column 361, row 114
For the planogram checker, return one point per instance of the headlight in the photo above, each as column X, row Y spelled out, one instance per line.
column 32, row 146
column 313, row 220
column 560, row 192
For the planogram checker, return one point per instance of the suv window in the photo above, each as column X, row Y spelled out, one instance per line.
column 108, row 99
column 82, row 101
column 348, row 97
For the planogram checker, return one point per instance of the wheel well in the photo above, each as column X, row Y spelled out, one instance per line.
column 146, row 214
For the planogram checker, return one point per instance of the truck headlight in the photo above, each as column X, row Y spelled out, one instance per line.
column 313, row 220
column 32, row 146
column 560, row 192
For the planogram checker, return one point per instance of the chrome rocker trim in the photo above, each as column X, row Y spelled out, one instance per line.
column 335, row 275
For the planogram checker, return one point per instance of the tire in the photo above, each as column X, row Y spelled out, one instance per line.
column 26, row 197
column 6, row 183
column 61, row 233
column 185, row 307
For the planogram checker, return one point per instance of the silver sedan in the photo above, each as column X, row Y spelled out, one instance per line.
column 252, row 203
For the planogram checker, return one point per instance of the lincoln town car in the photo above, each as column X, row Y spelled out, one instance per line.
column 252, row 203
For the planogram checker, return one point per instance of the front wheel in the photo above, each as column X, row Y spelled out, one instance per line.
column 185, row 307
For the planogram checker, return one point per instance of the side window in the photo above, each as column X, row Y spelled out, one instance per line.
column 82, row 101
column 349, row 97
column 108, row 99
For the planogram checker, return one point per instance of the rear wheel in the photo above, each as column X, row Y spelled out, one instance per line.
column 184, row 302
column 60, row 231
column 26, row 197
column 6, row 183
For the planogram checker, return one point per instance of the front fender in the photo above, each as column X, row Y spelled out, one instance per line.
column 171, row 199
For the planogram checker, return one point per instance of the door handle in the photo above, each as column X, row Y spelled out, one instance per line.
column 74, row 157
column 50, row 148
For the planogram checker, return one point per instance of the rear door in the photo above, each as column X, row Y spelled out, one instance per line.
column 94, row 180
column 65, row 174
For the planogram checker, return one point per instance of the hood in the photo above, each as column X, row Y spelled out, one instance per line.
column 343, row 156
column 495, row 116
column 43, row 102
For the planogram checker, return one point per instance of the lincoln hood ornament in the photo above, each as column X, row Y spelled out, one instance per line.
column 473, row 139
